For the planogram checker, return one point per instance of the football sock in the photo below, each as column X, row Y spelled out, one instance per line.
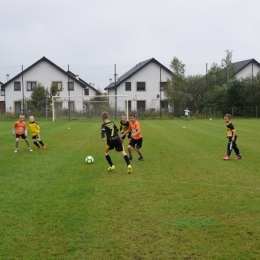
column 36, row 144
column 126, row 160
column 41, row 143
column 109, row 160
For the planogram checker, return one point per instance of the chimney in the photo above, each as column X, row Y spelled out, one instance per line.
column 110, row 81
column 7, row 77
column 77, row 77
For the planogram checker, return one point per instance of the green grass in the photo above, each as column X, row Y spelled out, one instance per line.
column 182, row 202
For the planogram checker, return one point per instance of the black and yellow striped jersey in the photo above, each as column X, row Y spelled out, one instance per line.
column 230, row 129
column 110, row 130
column 124, row 126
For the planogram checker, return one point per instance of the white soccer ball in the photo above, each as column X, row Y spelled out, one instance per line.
column 89, row 159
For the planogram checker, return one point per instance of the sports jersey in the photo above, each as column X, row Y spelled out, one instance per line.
column 110, row 130
column 34, row 128
column 135, row 127
column 230, row 129
column 124, row 126
column 19, row 127
column 186, row 111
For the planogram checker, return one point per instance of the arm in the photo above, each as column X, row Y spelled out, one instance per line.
column 103, row 133
column 233, row 135
column 13, row 130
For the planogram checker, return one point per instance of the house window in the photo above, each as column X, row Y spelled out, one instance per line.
column 71, row 105
column 17, row 86
column 140, row 86
column 127, row 86
column 141, row 106
column 17, row 107
column 86, row 92
column 162, row 85
column 70, row 86
column 2, row 92
column 31, row 85
column 164, row 104
column 59, row 84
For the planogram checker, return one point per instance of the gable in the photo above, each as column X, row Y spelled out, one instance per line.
column 246, row 68
column 138, row 68
column 48, row 69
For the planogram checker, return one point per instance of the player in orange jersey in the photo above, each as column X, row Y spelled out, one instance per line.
column 137, row 138
column 20, row 130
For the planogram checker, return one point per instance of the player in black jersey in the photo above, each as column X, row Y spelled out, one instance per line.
column 109, row 129
column 124, row 125
column 232, row 137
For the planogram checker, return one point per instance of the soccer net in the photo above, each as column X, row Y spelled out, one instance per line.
column 91, row 106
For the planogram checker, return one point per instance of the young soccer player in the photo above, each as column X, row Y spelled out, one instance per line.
column 124, row 125
column 20, row 130
column 186, row 112
column 137, row 138
column 109, row 129
column 232, row 137
column 34, row 128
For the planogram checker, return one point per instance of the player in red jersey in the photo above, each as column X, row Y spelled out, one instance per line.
column 20, row 130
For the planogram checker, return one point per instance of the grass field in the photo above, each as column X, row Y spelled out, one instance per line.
column 182, row 202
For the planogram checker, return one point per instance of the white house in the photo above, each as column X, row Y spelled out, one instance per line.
column 143, row 84
column 246, row 68
column 20, row 87
column 2, row 105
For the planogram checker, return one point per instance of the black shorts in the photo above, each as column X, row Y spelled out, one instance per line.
column 136, row 142
column 23, row 136
column 114, row 144
column 35, row 136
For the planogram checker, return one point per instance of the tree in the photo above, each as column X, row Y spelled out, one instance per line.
column 38, row 97
column 54, row 90
column 173, row 90
column 227, row 67
column 194, row 91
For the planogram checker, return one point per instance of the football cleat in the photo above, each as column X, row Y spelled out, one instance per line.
column 129, row 169
column 111, row 168
column 238, row 157
column 226, row 157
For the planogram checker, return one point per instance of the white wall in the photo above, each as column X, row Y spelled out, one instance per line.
column 151, row 75
column 247, row 71
column 45, row 74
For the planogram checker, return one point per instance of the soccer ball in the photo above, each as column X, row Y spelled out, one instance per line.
column 89, row 159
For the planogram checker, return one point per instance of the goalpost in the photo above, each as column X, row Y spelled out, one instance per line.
column 88, row 106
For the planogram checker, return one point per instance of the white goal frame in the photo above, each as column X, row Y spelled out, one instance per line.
column 88, row 97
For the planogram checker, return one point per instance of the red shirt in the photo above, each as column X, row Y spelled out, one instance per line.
column 19, row 127
column 135, row 127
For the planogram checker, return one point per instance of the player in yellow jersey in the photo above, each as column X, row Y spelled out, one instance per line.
column 34, row 128
column 124, row 125
column 232, row 137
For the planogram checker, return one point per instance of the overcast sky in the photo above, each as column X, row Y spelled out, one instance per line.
column 92, row 35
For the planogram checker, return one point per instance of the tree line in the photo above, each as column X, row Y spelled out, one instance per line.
column 218, row 90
